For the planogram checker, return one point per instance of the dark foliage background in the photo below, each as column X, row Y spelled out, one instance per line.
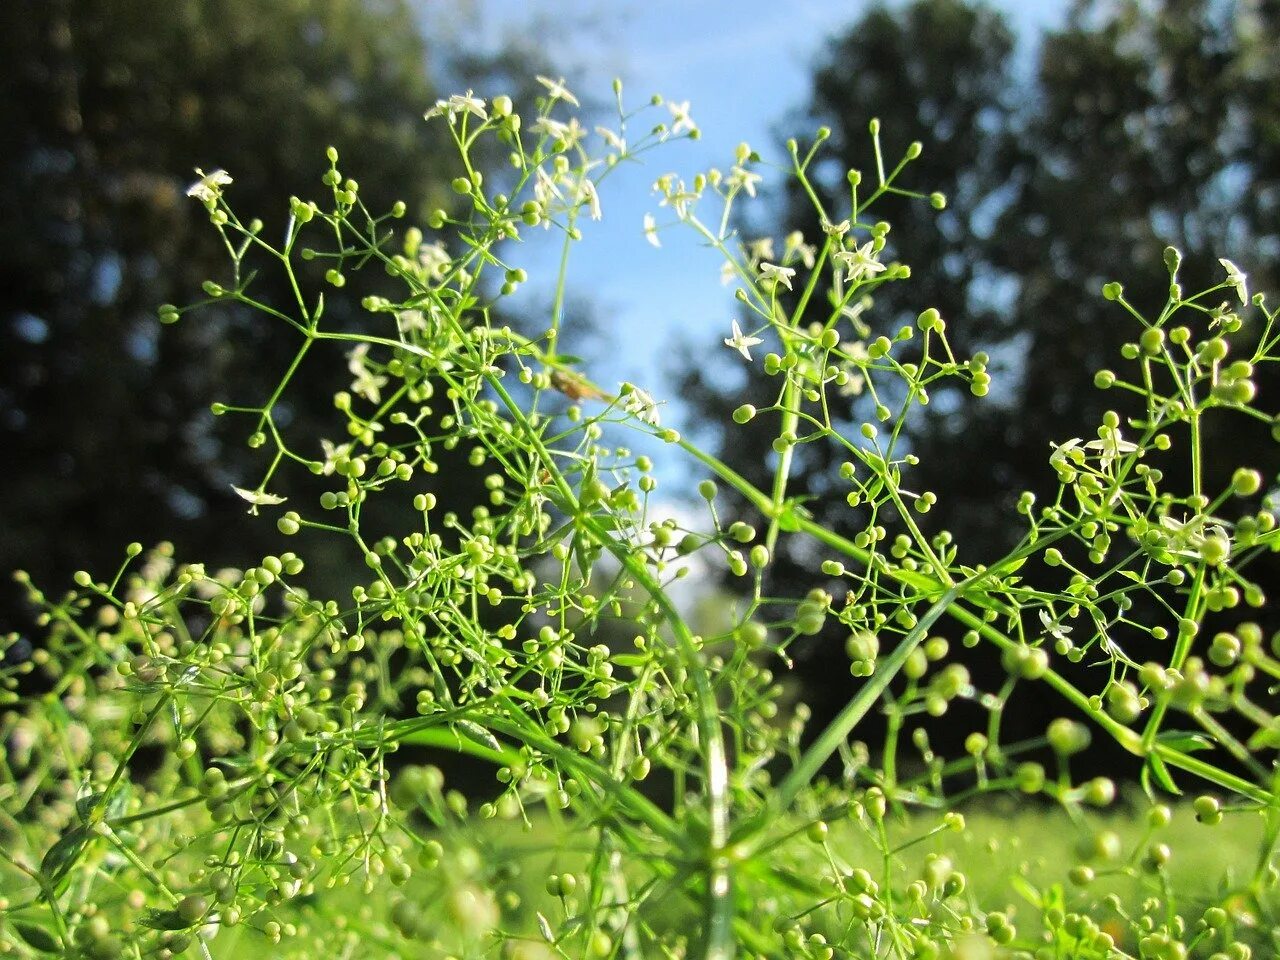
column 108, row 108
column 1139, row 125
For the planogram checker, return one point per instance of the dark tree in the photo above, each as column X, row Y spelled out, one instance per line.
column 1138, row 129
column 108, row 108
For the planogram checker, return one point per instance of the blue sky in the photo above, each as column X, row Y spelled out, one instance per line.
column 744, row 66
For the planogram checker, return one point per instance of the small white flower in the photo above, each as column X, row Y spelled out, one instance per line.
column 366, row 384
column 614, row 141
column 458, row 103
column 794, row 244
column 209, row 187
column 545, row 190
column 740, row 341
column 675, row 195
column 434, row 258
column 640, row 404
column 835, row 229
column 570, row 132
column 761, row 249
column 461, row 102
column 743, row 179
column 1110, row 448
column 1052, row 627
column 680, row 119
column 587, row 194
column 859, row 262
column 331, row 454
column 773, row 274
column 557, row 90
column 1236, row 278
column 651, row 230
column 258, row 498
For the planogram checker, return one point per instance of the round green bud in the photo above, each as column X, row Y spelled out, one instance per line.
column 1152, row 340
column 1215, row 550
column 191, row 909
column 930, row 319
column 1208, row 810
column 1246, row 482
column 1067, row 736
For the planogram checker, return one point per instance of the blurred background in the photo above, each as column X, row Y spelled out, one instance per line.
column 1073, row 140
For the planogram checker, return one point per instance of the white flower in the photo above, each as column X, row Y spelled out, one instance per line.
column 458, row 103
column 587, row 194
column 680, row 119
column 258, row 498
column 859, row 262
column 774, row 274
column 331, row 455
column 740, row 341
column 1052, row 627
column 675, row 194
column 794, row 244
column 761, row 249
column 570, row 133
column 366, row 384
column 434, row 258
column 614, row 141
column 835, row 229
column 557, row 90
column 209, row 187
column 1111, row 447
column 1236, row 278
column 640, row 404
column 651, row 230
column 743, row 179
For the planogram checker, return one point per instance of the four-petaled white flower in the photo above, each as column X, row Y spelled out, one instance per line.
column 651, row 230
column 588, row 194
column 458, row 103
column 740, row 341
column 859, row 262
column 760, row 249
column 1111, row 447
column 794, row 244
column 557, row 90
column 680, row 119
column 366, row 384
column 614, row 141
column 640, row 404
column 209, row 187
column 774, row 274
column 1236, row 278
column 835, row 229
column 331, row 454
column 743, row 179
column 1052, row 627
column 569, row 133
column 258, row 498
